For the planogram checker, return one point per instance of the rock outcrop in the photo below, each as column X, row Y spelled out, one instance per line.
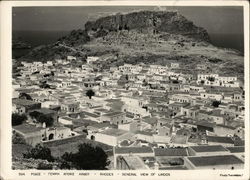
column 149, row 21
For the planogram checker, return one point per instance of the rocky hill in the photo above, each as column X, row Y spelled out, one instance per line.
column 149, row 21
column 151, row 37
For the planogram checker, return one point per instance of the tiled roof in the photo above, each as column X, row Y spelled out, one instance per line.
column 170, row 152
column 220, row 139
column 236, row 149
column 224, row 126
column 215, row 160
column 205, row 148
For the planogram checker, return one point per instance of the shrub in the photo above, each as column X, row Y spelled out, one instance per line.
column 211, row 79
column 42, row 118
column 25, row 96
column 34, row 114
column 175, row 81
column 18, row 139
column 87, row 158
column 18, row 119
column 39, row 152
column 216, row 103
column 48, row 120
column 44, row 166
column 65, row 165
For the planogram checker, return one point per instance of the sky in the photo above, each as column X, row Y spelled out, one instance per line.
column 216, row 20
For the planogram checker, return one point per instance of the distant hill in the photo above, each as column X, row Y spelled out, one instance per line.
column 18, row 43
column 151, row 37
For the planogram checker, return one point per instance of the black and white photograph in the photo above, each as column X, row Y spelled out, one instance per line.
column 157, row 88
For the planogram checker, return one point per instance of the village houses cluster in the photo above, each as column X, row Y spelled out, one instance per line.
column 153, row 116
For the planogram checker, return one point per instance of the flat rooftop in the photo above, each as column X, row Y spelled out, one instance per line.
column 134, row 162
column 214, row 148
column 205, row 123
column 215, row 160
column 100, row 125
column 26, row 128
column 113, row 113
column 45, row 111
column 179, row 139
column 24, row 102
column 127, row 150
column 114, row 132
column 90, row 114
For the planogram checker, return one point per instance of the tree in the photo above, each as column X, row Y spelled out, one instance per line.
column 42, row 118
column 18, row 119
column 216, row 103
column 87, row 158
column 39, row 152
column 123, row 80
column 175, row 81
column 211, row 79
column 48, row 120
column 126, row 27
column 34, row 114
column 25, row 96
column 90, row 93
column 120, row 28
column 126, row 77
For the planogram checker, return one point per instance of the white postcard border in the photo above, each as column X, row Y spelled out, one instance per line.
column 6, row 94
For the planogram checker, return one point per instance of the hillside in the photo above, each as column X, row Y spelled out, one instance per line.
column 18, row 43
column 151, row 37
column 149, row 22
